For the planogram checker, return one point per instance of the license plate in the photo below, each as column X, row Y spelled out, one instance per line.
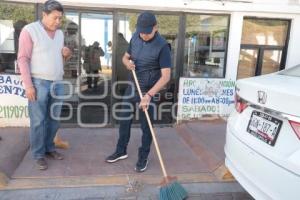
column 264, row 127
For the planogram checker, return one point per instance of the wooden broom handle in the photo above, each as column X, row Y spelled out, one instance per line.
column 151, row 127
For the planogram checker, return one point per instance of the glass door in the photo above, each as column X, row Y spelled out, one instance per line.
column 96, row 69
column 70, row 28
column 165, row 99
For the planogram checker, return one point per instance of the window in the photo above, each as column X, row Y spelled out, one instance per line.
column 13, row 17
column 263, row 46
column 247, row 63
column 205, row 45
column 264, row 32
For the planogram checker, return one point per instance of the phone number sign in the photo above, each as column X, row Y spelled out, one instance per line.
column 13, row 104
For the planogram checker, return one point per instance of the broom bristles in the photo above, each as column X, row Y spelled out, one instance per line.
column 172, row 191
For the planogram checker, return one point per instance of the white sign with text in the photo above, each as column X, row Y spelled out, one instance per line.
column 13, row 103
column 198, row 97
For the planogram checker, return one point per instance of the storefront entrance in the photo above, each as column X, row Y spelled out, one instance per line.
column 95, row 76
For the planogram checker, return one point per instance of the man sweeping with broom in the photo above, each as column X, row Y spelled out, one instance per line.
column 149, row 54
column 148, row 57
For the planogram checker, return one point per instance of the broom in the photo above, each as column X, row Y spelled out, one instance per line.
column 170, row 188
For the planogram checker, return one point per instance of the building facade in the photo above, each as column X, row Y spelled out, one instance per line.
column 225, row 40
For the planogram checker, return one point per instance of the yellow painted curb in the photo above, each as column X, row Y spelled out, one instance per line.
column 3, row 180
column 223, row 174
column 86, row 181
column 228, row 175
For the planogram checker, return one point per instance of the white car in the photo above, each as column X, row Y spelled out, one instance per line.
column 263, row 135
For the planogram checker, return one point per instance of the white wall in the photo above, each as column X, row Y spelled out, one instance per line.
column 234, row 43
column 293, row 55
column 270, row 6
column 285, row 9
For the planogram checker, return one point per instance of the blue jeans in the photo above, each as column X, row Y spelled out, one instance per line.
column 43, row 116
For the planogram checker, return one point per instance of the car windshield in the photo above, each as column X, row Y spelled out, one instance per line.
column 294, row 71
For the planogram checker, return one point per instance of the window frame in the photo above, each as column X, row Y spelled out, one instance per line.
column 185, row 68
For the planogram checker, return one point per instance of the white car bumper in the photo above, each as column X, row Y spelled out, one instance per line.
column 262, row 178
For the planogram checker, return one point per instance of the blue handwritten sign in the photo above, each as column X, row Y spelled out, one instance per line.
column 204, row 96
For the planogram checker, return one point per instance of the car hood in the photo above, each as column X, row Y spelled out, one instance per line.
column 276, row 92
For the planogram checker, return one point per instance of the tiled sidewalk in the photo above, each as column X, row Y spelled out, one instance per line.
column 189, row 150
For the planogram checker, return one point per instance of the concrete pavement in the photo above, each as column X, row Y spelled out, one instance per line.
column 197, row 191
column 193, row 152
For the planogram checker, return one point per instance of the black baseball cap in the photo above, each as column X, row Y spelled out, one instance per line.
column 145, row 22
